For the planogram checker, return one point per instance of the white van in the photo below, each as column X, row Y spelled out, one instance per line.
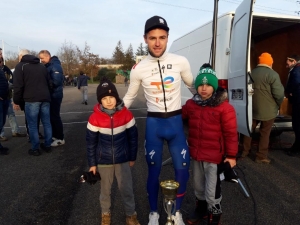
column 241, row 37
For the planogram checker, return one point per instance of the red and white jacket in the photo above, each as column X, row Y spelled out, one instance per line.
column 111, row 139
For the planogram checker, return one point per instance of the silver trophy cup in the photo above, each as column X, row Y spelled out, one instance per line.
column 169, row 189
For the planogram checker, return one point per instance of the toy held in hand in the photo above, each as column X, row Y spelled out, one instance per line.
column 89, row 177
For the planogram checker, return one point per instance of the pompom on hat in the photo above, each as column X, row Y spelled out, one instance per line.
column 265, row 58
column 206, row 75
column 107, row 88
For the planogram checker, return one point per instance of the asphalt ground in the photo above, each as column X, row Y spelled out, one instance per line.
column 44, row 190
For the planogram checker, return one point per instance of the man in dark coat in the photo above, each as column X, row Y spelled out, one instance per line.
column 293, row 93
column 55, row 71
column 31, row 85
column 3, row 106
column 82, row 84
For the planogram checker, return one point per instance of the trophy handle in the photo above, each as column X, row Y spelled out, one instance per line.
column 170, row 207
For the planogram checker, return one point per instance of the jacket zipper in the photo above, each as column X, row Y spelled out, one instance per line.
column 162, row 84
column 112, row 138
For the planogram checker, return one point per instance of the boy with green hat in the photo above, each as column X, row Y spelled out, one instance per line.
column 212, row 140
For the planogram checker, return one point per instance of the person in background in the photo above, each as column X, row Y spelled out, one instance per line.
column 292, row 91
column 126, row 82
column 3, row 106
column 82, row 84
column 10, row 112
column 32, row 85
column 267, row 98
column 55, row 70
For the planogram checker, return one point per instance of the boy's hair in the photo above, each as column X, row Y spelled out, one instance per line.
column 106, row 88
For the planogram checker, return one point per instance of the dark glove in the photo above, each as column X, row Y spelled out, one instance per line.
column 229, row 174
column 89, row 177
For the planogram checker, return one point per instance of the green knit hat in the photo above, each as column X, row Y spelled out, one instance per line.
column 206, row 76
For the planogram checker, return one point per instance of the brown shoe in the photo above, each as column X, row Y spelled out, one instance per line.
column 2, row 138
column 132, row 220
column 105, row 220
column 244, row 154
column 264, row 161
column 19, row 135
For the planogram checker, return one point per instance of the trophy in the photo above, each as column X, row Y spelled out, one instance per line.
column 169, row 189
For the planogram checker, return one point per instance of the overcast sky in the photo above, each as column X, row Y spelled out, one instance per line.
column 40, row 24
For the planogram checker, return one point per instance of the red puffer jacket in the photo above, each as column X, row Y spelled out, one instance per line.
column 212, row 129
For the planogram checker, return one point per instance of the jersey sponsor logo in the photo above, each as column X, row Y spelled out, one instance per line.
column 154, row 71
column 151, row 154
column 183, row 153
column 167, row 82
column 162, row 100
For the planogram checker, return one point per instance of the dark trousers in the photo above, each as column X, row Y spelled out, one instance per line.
column 296, row 125
column 3, row 112
column 56, row 123
column 263, row 146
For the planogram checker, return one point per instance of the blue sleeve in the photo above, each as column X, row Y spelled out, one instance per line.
column 132, row 134
column 92, row 142
column 56, row 75
column 78, row 82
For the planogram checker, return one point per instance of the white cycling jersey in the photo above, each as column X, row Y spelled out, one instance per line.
column 161, row 78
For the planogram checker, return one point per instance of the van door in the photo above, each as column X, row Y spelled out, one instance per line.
column 239, row 81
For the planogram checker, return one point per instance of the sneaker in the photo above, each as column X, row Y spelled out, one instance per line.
column 54, row 139
column 35, row 152
column 85, row 102
column 45, row 148
column 2, row 138
column 153, row 218
column 105, row 219
column 4, row 151
column 19, row 134
column 132, row 220
column 263, row 161
column 178, row 219
column 57, row 142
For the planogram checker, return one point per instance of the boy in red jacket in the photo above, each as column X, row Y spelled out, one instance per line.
column 212, row 139
column 112, row 143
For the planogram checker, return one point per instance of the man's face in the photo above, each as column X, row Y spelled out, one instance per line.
column 290, row 62
column 45, row 58
column 156, row 40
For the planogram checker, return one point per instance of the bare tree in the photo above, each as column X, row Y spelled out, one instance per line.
column 11, row 59
column 69, row 57
column 89, row 62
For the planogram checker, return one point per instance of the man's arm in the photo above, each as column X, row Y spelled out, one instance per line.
column 56, row 75
column 18, row 85
column 132, row 89
column 187, row 76
column 277, row 89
